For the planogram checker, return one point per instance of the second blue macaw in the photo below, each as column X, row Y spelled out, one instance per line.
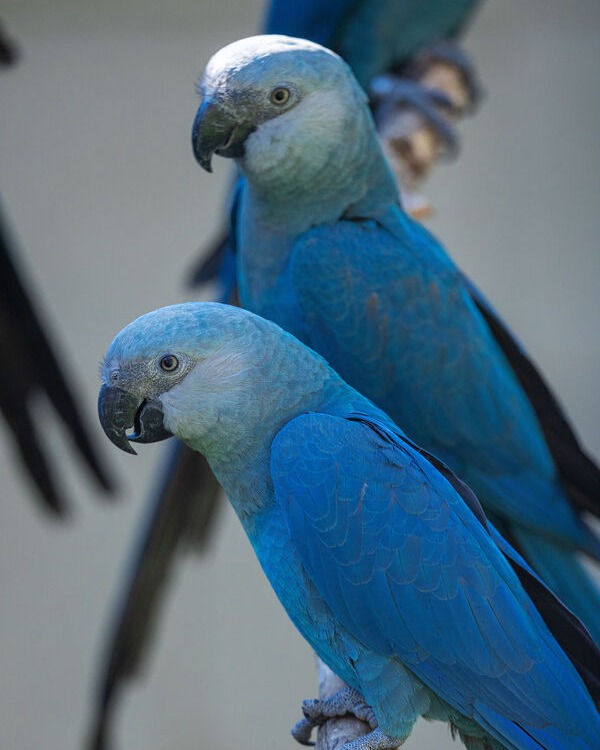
column 381, row 40
column 381, row 557
column 325, row 250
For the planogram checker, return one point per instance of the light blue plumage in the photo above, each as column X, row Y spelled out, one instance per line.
column 383, row 561
column 325, row 250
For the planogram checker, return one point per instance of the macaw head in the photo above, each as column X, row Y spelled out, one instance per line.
column 211, row 374
column 261, row 93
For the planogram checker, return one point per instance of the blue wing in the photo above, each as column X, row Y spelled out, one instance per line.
column 391, row 313
column 579, row 473
column 413, row 574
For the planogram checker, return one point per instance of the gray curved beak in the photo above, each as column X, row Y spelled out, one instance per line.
column 120, row 411
column 216, row 131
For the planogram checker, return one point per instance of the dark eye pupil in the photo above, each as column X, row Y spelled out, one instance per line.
column 280, row 96
column 169, row 362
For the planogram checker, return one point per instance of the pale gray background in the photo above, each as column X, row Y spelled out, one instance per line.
column 109, row 207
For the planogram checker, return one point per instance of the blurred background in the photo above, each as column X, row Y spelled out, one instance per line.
column 109, row 210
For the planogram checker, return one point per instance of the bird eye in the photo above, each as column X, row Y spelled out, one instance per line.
column 169, row 363
column 280, row 96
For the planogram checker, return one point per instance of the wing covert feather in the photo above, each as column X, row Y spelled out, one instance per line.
column 409, row 570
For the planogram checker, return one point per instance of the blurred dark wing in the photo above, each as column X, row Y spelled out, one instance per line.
column 578, row 472
column 183, row 512
column 28, row 367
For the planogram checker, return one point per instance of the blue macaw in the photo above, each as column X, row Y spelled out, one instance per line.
column 326, row 251
column 381, row 40
column 381, row 557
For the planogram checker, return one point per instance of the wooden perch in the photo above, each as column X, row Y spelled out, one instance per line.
column 409, row 141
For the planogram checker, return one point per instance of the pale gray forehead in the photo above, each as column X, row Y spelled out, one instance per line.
column 198, row 326
column 258, row 59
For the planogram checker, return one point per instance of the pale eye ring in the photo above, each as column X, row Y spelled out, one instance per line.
column 280, row 96
column 169, row 363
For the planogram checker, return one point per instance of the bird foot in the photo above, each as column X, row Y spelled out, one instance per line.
column 375, row 740
column 392, row 95
column 316, row 712
column 445, row 52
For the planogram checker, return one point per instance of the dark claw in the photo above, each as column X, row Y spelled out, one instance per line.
column 445, row 51
column 346, row 701
column 302, row 731
column 391, row 95
column 402, row 91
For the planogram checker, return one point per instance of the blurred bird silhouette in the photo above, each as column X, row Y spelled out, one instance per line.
column 30, row 367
